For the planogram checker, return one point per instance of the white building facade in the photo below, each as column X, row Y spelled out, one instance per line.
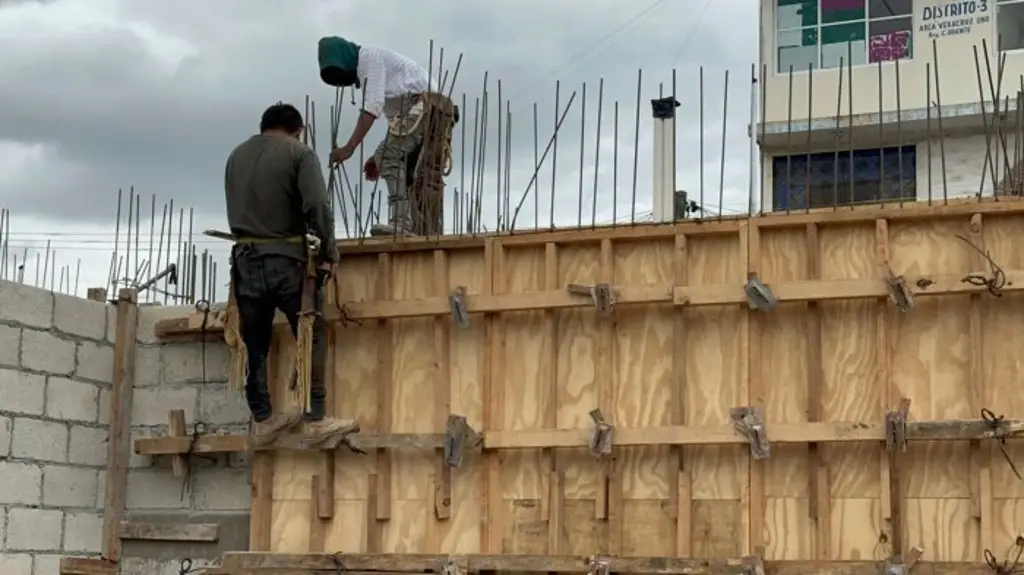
column 866, row 101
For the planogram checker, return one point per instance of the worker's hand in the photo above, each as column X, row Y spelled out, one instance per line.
column 339, row 155
column 323, row 273
column 371, row 170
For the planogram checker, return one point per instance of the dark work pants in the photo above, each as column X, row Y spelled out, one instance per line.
column 264, row 284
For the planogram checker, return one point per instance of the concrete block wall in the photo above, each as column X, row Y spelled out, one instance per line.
column 56, row 367
column 172, row 376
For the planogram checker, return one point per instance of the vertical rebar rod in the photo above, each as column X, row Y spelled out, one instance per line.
column 942, row 132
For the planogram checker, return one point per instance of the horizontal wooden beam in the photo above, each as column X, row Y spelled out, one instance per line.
column 169, row 531
column 709, row 295
column 249, row 563
column 812, row 432
column 87, row 566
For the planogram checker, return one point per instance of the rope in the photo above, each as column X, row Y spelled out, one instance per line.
column 185, row 567
column 995, row 422
column 304, row 339
column 239, row 370
column 995, row 282
column 1006, row 568
column 338, row 564
column 198, row 428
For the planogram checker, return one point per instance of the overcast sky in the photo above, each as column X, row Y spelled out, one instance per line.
column 99, row 95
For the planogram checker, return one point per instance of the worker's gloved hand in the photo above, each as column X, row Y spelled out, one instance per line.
column 371, row 170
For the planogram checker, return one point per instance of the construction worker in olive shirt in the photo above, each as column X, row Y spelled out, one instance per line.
column 275, row 195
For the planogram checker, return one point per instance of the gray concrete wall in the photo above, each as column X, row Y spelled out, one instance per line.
column 171, row 376
column 56, row 363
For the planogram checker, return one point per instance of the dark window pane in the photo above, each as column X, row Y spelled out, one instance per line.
column 843, row 43
column 833, row 11
column 890, row 40
column 824, row 179
column 796, row 14
column 883, row 8
column 1010, row 23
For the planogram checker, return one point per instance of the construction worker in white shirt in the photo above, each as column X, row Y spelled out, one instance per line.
column 415, row 155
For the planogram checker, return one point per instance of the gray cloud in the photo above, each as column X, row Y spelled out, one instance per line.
column 102, row 94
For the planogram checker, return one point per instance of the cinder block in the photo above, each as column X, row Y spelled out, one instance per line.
column 46, row 564
column 88, row 446
column 83, row 531
column 147, row 365
column 105, row 407
column 79, row 316
column 154, row 489
column 183, row 363
column 43, row 351
column 101, row 489
column 3, row 528
column 41, row 440
column 29, row 306
column 34, row 529
column 5, row 436
column 150, row 405
column 71, row 400
column 16, row 564
column 143, row 461
column 69, row 486
column 22, row 392
column 22, row 483
column 96, row 361
column 150, row 315
column 222, row 489
column 219, row 405
column 10, row 345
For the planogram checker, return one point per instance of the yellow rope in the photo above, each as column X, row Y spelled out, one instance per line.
column 304, row 344
column 232, row 336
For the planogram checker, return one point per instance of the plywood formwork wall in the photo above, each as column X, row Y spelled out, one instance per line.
column 675, row 361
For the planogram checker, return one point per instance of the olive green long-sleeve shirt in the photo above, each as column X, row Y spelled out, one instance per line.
column 275, row 188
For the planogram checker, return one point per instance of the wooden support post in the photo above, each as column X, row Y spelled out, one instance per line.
column 819, row 491
column 176, row 428
column 493, row 395
column 980, row 397
column 442, row 390
column 896, row 445
column 750, row 256
column 317, row 526
column 119, row 437
column 87, row 566
column 385, row 391
column 324, row 484
column 680, row 485
column 609, row 490
column 884, row 334
column 553, row 504
column 374, row 529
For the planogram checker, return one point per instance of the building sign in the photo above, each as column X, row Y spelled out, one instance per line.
column 953, row 18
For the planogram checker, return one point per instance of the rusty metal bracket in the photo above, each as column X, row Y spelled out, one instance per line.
column 459, row 438
column 752, row 565
column 603, row 435
column 896, row 426
column 759, row 295
column 899, row 292
column 895, row 566
column 749, row 422
column 597, row 565
column 453, row 566
column 457, row 301
column 602, row 294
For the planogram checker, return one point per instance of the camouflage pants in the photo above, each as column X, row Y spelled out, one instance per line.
column 395, row 158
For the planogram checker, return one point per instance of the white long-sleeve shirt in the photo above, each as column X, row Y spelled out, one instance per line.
column 389, row 79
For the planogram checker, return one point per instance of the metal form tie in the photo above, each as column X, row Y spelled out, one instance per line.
column 999, row 433
column 1006, row 568
column 993, row 283
column 185, row 567
column 198, row 428
column 339, row 565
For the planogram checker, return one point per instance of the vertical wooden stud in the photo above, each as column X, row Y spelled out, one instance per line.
column 750, row 254
column 385, row 381
column 317, row 526
column 176, row 428
column 374, row 529
column 819, row 499
column 609, row 491
column 680, row 489
column 324, row 492
column 980, row 397
column 552, row 509
column 261, row 517
column 119, row 435
column 494, row 393
column 892, row 494
column 442, row 389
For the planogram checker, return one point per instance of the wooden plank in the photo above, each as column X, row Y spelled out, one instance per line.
column 374, row 528
column 980, row 397
column 119, row 435
column 317, row 526
column 680, row 505
column 883, row 343
column 819, row 493
column 323, row 493
column 605, row 390
column 921, row 285
column 385, row 389
column 442, row 389
column 169, row 531
column 417, row 563
column 553, row 506
column 87, row 566
column 750, row 242
column 493, row 397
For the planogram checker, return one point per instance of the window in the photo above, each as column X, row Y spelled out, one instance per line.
column 823, row 33
column 1010, row 23
column 884, row 174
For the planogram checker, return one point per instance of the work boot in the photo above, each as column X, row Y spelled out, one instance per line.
column 328, row 428
column 265, row 432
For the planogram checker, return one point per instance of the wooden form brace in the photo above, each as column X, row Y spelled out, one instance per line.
column 197, row 532
column 87, row 566
column 248, row 563
column 749, row 422
column 602, row 295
